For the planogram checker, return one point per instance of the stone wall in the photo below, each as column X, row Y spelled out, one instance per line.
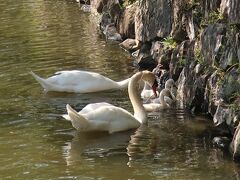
column 197, row 43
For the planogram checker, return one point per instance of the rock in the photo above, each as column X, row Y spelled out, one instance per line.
column 129, row 45
column 210, row 6
column 165, row 75
column 135, row 54
column 181, row 57
column 211, row 94
column 235, row 143
column 160, row 55
column 146, row 63
column 165, row 58
column 211, row 41
column 223, row 115
column 190, row 27
column 151, row 22
column 85, row 8
column 179, row 33
column 238, row 46
column 183, row 26
column 231, row 52
column 231, row 85
column 87, row 2
column 110, row 10
column 156, row 49
column 230, row 8
column 111, row 33
column 186, row 86
column 221, row 143
column 126, row 22
column 98, row 4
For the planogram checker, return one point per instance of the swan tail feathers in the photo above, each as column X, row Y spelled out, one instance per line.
column 78, row 121
column 66, row 116
column 41, row 81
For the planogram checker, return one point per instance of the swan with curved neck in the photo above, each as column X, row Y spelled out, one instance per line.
column 79, row 82
column 162, row 103
column 106, row 117
column 147, row 94
column 168, row 98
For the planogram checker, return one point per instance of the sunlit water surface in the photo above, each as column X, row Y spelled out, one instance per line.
column 36, row 143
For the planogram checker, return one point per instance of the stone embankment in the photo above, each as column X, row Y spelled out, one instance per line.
column 195, row 42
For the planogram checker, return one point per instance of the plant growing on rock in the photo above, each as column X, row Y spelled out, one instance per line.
column 213, row 17
column 126, row 3
column 220, row 73
column 182, row 62
column 198, row 56
column 169, row 43
column 235, row 96
column 191, row 4
column 234, row 106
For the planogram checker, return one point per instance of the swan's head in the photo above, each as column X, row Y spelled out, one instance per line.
column 165, row 92
column 150, row 79
column 170, row 84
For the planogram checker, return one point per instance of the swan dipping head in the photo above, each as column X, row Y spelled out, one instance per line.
column 150, row 79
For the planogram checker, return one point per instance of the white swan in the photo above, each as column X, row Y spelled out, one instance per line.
column 106, row 117
column 171, row 86
column 164, row 101
column 148, row 94
column 79, row 82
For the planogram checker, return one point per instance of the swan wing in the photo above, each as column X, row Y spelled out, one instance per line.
column 81, row 81
column 105, row 118
column 88, row 108
column 156, row 100
column 93, row 106
column 113, row 118
column 168, row 100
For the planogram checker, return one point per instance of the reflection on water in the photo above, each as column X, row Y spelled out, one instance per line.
column 86, row 146
column 173, row 145
column 37, row 143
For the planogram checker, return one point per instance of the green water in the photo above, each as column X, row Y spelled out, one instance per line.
column 37, row 143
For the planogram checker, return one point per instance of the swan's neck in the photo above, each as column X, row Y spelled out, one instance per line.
column 172, row 94
column 146, row 86
column 139, row 111
column 124, row 83
column 162, row 101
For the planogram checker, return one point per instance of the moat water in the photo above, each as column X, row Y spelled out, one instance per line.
column 46, row 36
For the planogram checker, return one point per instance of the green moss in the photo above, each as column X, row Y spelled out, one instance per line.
column 198, row 57
column 214, row 17
column 233, row 28
column 128, row 2
column 234, row 106
column 235, row 96
column 169, row 43
column 191, row 4
column 182, row 62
